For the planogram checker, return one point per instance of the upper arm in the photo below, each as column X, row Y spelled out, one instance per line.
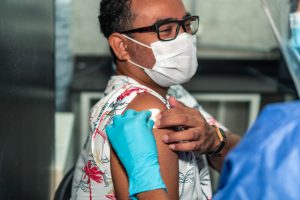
column 168, row 160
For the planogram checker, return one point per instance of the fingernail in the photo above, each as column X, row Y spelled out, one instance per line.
column 172, row 146
column 165, row 138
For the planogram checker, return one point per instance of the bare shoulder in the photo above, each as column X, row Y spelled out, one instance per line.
column 145, row 101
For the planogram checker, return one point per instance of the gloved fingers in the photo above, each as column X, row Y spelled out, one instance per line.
column 144, row 114
column 150, row 124
column 117, row 120
column 130, row 113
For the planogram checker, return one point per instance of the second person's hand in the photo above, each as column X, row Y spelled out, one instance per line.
column 197, row 134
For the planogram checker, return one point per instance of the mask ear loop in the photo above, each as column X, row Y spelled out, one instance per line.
column 140, row 66
column 133, row 40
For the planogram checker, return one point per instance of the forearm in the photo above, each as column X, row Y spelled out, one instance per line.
column 159, row 194
column 217, row 162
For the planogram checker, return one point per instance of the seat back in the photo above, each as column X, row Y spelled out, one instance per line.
column 63, row 191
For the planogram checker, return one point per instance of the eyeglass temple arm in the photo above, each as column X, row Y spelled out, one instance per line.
column 140, row 30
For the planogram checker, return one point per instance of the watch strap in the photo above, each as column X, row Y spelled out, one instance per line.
column 223, row 139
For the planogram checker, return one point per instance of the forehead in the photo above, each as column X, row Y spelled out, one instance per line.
column 148, row 12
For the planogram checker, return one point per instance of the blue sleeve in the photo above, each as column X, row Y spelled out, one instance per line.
column 265, row 165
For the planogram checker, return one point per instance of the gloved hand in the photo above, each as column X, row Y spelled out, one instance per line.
column 132, row 139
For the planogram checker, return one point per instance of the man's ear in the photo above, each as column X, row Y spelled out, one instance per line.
column 118, row 44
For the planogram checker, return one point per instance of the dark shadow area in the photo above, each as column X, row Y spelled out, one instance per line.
column 26, row 99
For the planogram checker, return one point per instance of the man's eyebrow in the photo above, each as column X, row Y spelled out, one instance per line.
column 170, row 18
column 164, row 20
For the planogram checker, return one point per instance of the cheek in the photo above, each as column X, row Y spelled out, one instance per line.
column 143, row 56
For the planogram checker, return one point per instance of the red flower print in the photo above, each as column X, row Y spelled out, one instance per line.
column 93, row 172
column 111, row 196
column 128, row 92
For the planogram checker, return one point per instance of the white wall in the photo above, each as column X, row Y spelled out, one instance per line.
column 234, row 23
column 85, row 33
column 226, row 25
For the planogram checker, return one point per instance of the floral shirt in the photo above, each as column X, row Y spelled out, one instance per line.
column 92, row 178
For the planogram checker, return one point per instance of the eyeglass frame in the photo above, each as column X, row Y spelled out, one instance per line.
column 155, row 27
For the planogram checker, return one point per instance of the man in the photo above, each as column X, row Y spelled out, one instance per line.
column 154, row 46
column 263, row 166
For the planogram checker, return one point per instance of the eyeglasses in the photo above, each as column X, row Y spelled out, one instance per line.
column 169, row 29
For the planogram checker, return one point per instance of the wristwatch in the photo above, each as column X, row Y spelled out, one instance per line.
column 223, row 139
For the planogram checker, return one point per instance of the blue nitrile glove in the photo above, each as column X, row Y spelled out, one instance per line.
column 132, row 139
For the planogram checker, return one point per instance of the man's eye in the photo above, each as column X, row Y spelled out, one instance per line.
column 166, row 30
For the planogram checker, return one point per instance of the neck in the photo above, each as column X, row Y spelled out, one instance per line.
column 141, row 77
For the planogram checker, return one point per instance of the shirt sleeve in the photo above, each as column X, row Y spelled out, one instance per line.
column 187, row 99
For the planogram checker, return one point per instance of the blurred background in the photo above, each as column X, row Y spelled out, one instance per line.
column 26, row 99
column 55, row 65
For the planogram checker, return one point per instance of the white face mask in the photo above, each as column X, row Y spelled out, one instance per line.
column 176, row 60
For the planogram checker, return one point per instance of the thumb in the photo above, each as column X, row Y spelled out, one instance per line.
column 174, row 103
column 143, row 116
column 150, row 124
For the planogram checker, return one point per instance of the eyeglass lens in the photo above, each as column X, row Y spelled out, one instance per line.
column 169, row 31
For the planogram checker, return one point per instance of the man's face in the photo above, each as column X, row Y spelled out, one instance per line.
column 148, row 12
